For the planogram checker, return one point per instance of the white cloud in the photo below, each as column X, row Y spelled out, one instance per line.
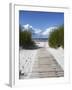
column 47, row 31
column 38, row 32
column 27, row 26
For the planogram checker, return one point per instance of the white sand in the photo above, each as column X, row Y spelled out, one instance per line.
column 40, row 44
column 58, row 54
column 27, row 58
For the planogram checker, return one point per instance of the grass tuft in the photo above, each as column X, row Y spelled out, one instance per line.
column 56, row 37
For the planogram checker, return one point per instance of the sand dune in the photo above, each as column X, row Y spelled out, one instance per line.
column 27, row 58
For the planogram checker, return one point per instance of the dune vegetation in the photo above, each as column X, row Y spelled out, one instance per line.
column 56, row 37
column 25, row 39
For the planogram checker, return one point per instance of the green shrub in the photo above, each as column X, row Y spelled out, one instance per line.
column 56, row 37
column 25, row 39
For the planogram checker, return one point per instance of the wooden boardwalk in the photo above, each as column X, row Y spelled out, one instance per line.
column 45, row 66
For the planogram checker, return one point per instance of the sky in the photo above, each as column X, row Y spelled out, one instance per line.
column 41, row 20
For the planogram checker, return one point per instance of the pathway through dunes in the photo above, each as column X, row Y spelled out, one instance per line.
column 44, row 65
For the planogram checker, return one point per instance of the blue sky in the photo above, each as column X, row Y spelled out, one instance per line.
column 40, row 20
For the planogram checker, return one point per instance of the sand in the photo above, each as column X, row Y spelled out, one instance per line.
column 28, row 58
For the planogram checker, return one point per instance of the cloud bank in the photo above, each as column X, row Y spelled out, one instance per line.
column 38, row 33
